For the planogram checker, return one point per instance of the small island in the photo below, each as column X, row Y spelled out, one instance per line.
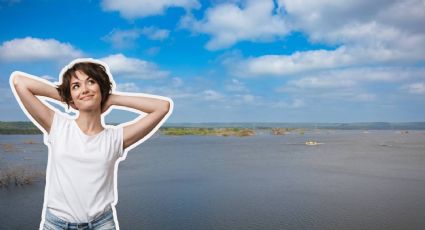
column 240, row 132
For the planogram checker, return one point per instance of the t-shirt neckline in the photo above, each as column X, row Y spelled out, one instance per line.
column 84, row 134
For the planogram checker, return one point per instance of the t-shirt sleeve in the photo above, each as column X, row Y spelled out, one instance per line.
column 119, row 140
column 58, row 123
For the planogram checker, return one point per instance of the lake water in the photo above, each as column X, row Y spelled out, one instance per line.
column 353, row 180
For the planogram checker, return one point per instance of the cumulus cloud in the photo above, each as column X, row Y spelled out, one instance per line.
column 212, row 95
column 133, row 68
column 122, row 38
column 235, row 85
column 353, row 77
column 360, row 84
column 365, row 32
column 131, row 9
column 313, row 60
column 153, row 51
column 229, row 23
column 378, row 25
column 321, row 82
column 128, row 87
column 374, row 25
column 292, row 104
column 281, row 65
column 49, row 78
column 127, row 38
column 348, row 79
column 154, row 33
column 32, row 49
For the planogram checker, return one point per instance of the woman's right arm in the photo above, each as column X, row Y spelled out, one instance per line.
column 27, row 88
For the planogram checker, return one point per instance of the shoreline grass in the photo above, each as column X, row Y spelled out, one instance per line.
column 240, row 132
column 18, row 176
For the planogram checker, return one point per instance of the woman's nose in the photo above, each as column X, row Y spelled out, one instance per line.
column 84, row 88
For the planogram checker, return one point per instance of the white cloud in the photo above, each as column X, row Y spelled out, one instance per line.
column 229, row 23
column 353, row 84
column 128, row 87
column 49, row 78
column 291, row 104
column 131, row 9
column 248, row 98
column 154, row 33
column 379, row 25
column 302, row 62
column 33, row 49
column 153, row 50
column 415, row 88
column 321, row 82
column 353, row 77
column 127, row 38
column 173, row 92
column 237, row 100
column 235, row 86
column 133, row 68
column 366, row 32
column 122, row 38
column 280, row 65
column 211, row 95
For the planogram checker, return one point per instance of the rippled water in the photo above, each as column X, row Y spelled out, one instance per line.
column 354, row 180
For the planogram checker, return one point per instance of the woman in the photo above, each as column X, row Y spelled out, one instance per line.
column 84, row 153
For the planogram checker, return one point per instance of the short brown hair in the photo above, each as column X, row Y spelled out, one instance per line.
column 93, row 70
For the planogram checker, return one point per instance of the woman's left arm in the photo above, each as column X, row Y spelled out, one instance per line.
column 155, row 109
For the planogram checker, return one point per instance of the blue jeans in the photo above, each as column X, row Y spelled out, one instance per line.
column 103, row 222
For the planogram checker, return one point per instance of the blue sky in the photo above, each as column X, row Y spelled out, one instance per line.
column 232, row 61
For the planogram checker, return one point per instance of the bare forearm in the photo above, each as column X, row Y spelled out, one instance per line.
column 34, row 85
column 140, row 102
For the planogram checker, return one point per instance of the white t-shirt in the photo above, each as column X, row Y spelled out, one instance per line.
column 80, row 181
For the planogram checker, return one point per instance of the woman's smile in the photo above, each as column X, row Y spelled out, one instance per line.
column 86, row 98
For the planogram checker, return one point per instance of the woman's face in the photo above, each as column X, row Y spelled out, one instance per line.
column 85, row 92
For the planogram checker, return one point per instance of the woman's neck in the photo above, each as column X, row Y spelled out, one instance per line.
column 89, row 122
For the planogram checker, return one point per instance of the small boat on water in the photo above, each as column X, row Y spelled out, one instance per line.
column 311, row 142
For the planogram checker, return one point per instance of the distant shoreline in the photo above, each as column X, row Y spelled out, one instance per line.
column 236, row 129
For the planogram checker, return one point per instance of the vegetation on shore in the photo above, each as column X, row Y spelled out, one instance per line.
column 18, row 127
column 284, row 131
column 18, row 176
column 240, row 132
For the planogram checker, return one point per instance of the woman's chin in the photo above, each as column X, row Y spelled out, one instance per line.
column 88, row 108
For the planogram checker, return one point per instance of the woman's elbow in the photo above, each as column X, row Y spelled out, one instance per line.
column 16, row 79
column 165, row 106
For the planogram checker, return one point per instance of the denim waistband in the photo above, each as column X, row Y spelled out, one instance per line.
column 89, row 225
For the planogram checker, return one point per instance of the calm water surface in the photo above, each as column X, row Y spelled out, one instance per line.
column 353, row 180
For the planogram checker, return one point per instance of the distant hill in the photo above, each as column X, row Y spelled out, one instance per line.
column 22, row 127
column 18, row 127
column 339, row 126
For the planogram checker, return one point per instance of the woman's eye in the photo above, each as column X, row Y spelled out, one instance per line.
column 91, row 82
column 75, row 86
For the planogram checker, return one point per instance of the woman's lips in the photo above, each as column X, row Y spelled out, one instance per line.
column 85, row 98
